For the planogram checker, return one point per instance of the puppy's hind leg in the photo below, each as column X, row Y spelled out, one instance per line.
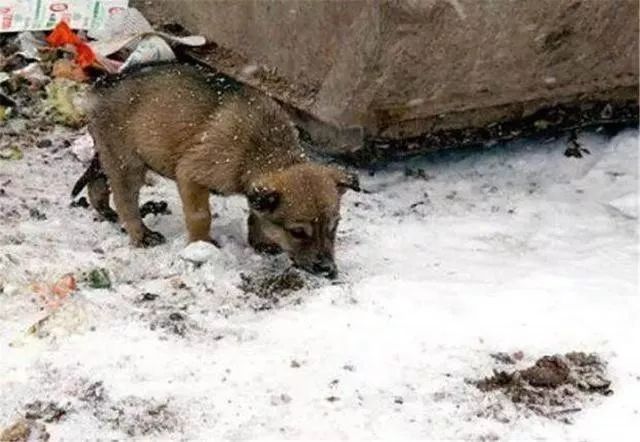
column 126, row 182
column 98, row 189
column 99, row 193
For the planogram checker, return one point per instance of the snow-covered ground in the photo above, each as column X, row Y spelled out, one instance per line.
column 513, row 248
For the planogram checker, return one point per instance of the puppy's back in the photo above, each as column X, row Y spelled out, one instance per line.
column 156, row 106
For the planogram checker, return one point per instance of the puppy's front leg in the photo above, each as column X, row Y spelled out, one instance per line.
column 195, row 205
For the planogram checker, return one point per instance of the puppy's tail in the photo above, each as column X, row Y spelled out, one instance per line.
column 93, row 172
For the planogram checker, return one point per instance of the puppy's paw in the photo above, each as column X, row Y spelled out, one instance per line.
column 109, row 215
column 150, row 239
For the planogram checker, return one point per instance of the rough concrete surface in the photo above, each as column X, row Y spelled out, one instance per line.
column 400, row 69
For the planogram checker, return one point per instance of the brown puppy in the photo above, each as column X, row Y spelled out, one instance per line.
column 212, row 135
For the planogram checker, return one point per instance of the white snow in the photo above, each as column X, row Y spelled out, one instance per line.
column 513, row 248
column 199, row 252
column 82, row 148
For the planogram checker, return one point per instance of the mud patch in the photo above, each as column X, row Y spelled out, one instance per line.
column 132, row 415
column 172, row 320
column 46, row 411
column 169, row 313
column 140, row 417
column 269, row 289
column 554, row 387
column 154, row 208
column 175, row 323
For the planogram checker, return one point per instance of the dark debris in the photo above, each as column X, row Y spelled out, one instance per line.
column 552, row 385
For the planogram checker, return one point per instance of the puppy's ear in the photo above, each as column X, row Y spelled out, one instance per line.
column 263, row 199
column 345, row 180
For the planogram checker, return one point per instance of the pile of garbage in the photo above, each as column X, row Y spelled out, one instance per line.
column 45, row 73
column 46, row 70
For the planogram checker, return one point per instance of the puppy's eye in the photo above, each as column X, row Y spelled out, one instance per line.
column 298, row 233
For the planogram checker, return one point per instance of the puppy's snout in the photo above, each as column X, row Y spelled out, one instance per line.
column 325, row 267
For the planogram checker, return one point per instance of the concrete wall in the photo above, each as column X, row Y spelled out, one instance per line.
column 402, row 68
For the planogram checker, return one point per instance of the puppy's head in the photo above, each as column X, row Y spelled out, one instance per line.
column 298, row 210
